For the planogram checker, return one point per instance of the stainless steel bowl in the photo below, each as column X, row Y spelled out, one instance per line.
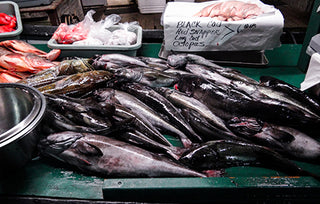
column 21, row 110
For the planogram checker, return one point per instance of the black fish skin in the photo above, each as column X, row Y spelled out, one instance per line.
column 237, row 103
column 206, row 130
column 256, row 91
column 147, row 76
column 180, row 61
column 58, row 122
column 109, row 157
column 223, row 154
column 286, row 140
column 162, row 105
column 139, row 123
column 140, row 108
column 137, row 138
column 292, row 91
column 81, row 111
column 183, row 101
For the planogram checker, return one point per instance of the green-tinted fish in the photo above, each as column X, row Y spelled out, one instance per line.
column 77, row 84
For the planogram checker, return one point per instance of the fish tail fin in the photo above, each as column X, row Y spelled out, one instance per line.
column 176, row 152
column 53, row 54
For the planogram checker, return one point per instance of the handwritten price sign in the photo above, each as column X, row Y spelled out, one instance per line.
column 184, row 32
column 196, row 34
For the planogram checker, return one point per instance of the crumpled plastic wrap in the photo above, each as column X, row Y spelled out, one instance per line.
column 123, row 36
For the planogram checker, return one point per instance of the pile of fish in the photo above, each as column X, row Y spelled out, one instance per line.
column 19, row 59
column 116, row 115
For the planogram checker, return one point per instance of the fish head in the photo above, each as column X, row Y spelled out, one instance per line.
column 98, row 63
column 58, row 142
column 83, row 153
column 245, row 126
column 177, row 61
column 188, row 84
column 200, row 156
column 105, row 95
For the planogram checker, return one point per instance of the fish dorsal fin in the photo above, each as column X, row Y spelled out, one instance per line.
column 88, row 149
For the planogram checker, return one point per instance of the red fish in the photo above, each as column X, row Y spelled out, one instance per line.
column 8, row 77
column 24, row 63
column 21, row 47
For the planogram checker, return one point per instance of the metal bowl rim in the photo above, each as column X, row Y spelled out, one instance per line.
column 30, row 121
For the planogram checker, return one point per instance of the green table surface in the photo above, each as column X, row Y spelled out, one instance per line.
column 43, row 178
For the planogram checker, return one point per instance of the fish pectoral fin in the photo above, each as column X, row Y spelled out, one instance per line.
column 282, row 136
column 85, row 162
column 88, row 149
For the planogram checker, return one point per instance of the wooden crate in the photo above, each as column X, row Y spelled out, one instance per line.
column 59, row 11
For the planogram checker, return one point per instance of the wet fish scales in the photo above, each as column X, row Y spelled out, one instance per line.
column 147, row 76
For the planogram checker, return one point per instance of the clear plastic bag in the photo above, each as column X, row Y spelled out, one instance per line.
column 99, row 30
column 123, row 36
column 88, row 28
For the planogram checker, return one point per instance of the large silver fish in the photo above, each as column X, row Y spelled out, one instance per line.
column 159, row 103
column 146, row 76
column 107, row 157
column 234, row 102
column 140, row 108
column 181, row 100
column 117, row 59
column 286, row 140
